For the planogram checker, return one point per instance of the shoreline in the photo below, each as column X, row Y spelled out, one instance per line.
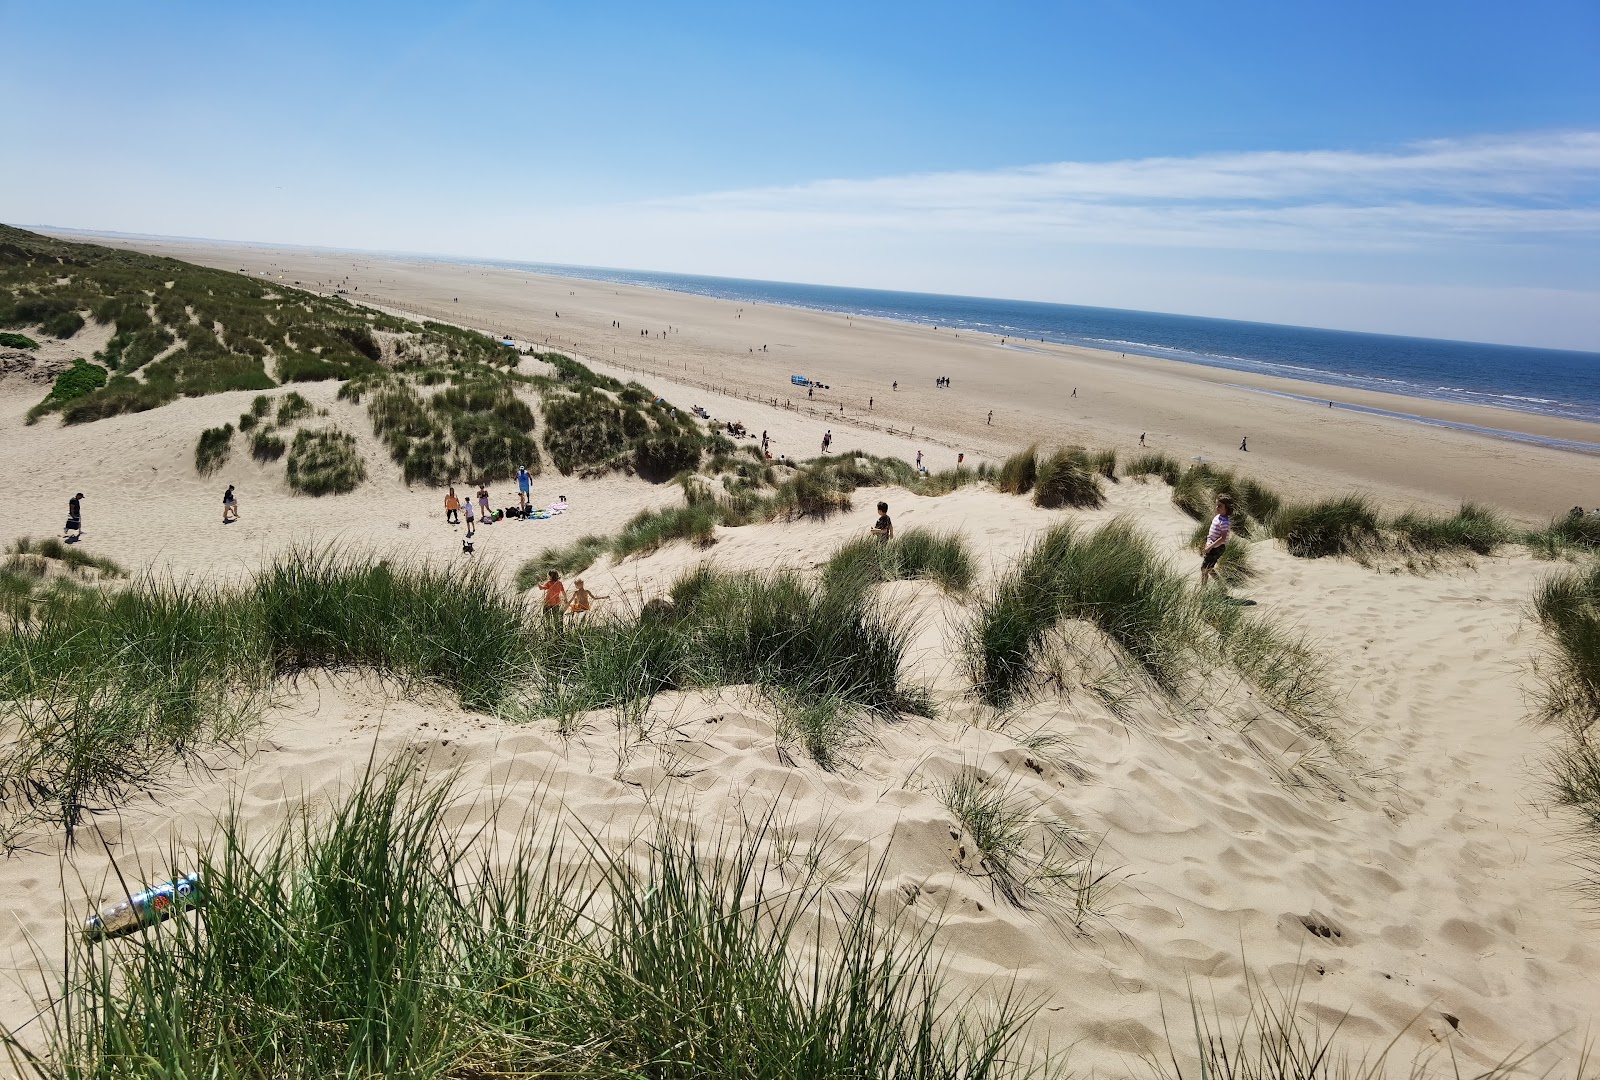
column 1186, row 410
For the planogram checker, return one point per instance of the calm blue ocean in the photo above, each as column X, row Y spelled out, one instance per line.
column 1548, row 381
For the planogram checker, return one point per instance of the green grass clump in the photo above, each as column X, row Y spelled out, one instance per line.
column 574, row 558
column 266, row 446
column 1159, row 623
column 102, row 692
column 1112, row 578
column 650, row 530
column 291, row 407
column 212, row 451
column 1255, row 505
column 17, row 341
column 1343, row 526
column 1564, row 536
column 594, row 424
column 63, row 325
column 325, row 462
column 915, row 553
column 1567, row 607
column 1473, row 527
column 457, row 628
column 70, row 555
column 1068, row 478
column 1156, row 464
column 374, row 939
column 78, row 381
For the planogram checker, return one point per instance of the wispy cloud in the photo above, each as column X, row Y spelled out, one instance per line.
column 1511, row 188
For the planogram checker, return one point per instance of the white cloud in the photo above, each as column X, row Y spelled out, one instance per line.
column 1444, row 190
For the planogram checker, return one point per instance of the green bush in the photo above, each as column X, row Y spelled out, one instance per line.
column 260, row 406
column 212, row 451
column 325, row 462
column 292, row 407
column 650, row 530
column 265, row 446
column 120, row 394
column 1155, row 464
column 1160, row 624
column 1019, row 472
column 63, row 325
column 1565, row 534
column 78, row 381
column 17, row 341
column 1065, row 479
column 574, row 558
column 915, row 553
column 1344, row 526
column 1475, row 528
column 247, row 422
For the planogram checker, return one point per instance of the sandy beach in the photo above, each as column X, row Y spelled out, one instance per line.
column 1407, row 872
column 1183, row 409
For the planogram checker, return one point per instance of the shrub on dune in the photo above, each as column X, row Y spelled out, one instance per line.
column 1019, row 472
column 915, row 553
column 1065, row 479
column 374, row 932
column 1473, row 527
column 1564, row 535
column 571, row 559
column 1343, row 526
column 212, row 451
column 325, row 462
column 1155, row 464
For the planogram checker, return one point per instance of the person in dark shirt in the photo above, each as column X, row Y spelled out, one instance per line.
column 74, row 517
column 884, row 529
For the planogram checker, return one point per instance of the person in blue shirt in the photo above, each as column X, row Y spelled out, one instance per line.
column 524, row 487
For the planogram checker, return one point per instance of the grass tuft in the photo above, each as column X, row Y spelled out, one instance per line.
column 1019, row 472
column 325, row 462
column 1474, row 528
column 574, row 558
column 212, row 451
column 1343, row 526
column 915, row 553
column 374, row 933
column 1068, row 478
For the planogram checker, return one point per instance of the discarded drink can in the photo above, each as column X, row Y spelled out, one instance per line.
column 146, row 908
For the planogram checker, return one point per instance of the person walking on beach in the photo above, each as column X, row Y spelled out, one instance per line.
column 1244, row 444
column 1216, row 538
column 470, row 516
column 483, row 503
column 919, row 460
column 452, row 507
column 895, row 385
column 883, row 531
column 1074, row 391
column 1141, row 438
column 990, row 421
column 74, row 529
column 524, row 487
column 959, row 459
column 555, row 596
column 763, row 441
column 230, row 506
column 827, row 440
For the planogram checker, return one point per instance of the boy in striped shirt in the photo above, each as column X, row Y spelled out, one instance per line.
column 1216, row 538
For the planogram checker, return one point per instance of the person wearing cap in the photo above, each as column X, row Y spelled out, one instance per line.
column 74, row 528
column 524, row 487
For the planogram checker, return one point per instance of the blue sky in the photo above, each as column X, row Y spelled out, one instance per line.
column 1403, row 167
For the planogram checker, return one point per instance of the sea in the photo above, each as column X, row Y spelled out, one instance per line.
column 1546, row 382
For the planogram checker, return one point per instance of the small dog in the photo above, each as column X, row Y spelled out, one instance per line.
column 466, row 547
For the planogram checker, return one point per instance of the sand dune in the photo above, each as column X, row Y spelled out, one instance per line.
column 1407, row 872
